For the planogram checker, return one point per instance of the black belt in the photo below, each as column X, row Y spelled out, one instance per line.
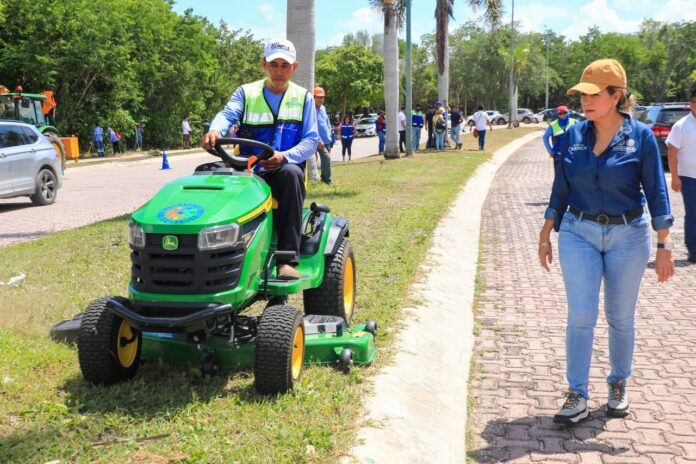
column 605, row 219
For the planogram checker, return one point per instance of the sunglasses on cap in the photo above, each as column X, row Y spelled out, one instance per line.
column 563, row 112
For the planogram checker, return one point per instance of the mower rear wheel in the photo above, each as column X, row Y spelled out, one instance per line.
column 280, row 348
column 108, row 348
column 336, row 294
column 58, row 146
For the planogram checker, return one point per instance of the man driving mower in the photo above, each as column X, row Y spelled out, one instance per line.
column 279, row 113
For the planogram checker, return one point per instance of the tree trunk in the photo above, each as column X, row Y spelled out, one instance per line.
column 301, row 28
column 443, row 78
column 391, row 80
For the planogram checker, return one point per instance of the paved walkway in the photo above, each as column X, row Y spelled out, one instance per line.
column 520, row 354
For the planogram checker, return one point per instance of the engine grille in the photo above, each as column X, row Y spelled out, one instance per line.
column 186, row 270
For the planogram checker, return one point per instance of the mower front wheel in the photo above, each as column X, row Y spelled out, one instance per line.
column 280, row 348
column 336, row 294
column 108, row 347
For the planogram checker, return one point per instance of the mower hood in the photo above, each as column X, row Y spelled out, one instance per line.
column 192, row 203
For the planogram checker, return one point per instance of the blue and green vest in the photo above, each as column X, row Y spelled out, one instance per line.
column 282, row 131
column 557, row 134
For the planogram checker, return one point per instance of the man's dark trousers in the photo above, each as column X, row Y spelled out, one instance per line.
column 689, row 195
column 402, row 140
column 287, row 187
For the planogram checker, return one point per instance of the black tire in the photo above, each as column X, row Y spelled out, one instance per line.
column 501, row 121
column 336, row 294
column 105, row 345
column 471, row 123
column 58, row 145
column 526, row 120
column 371, row 327
column 46, row 188
column 280, row 347
column 209, row 365
column 345, row 360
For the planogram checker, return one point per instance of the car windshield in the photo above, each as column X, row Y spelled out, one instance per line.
column 669, row 116
column 367, row 121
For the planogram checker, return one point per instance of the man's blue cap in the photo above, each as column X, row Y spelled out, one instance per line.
column 438, row 103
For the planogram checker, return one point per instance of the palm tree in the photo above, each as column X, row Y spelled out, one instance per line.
column 393, row 11
column 444, row 10
column 301, row 31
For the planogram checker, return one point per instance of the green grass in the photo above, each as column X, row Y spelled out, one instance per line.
column 168, row 413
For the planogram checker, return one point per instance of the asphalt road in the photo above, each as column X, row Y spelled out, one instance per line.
column 95, row 190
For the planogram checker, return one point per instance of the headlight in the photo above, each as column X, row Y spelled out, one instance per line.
column 136, row 235
column 218, row 237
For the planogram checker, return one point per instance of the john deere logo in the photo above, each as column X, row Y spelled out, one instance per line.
column 170, row 242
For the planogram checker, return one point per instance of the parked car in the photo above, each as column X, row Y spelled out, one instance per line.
column 526, row 116
column 496, row 117
column 29, row 164
column 366, row 127
column 638, row 111
column 660, row 118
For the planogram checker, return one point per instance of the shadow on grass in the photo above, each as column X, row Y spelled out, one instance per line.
column 511, row 440
column 160, row 391
column 6, row 207
column 333, row 194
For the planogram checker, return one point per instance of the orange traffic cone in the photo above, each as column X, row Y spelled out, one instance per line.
column 165, row 161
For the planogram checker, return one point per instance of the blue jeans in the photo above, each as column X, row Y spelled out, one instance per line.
column 439, row 140
column 415, row 133
column 138, row 142
column 588, row 253
column 454, row 135
column 382, row 140
column 482, row 138
column 689, row 195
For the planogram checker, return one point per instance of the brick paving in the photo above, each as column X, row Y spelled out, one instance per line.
column 519, row 373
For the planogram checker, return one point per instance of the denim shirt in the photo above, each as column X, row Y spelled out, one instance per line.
column 610, row 183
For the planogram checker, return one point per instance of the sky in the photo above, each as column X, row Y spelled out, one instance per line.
column 336, row 18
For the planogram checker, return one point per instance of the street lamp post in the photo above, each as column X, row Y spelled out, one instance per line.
column 548, row 39
column 512, row 63
column 409, row 103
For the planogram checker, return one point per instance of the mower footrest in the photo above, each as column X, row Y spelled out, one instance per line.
column 315, row 323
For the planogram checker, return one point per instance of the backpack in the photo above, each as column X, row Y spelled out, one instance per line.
column 441, row 125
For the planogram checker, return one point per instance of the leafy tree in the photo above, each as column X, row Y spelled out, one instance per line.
column 351, row 76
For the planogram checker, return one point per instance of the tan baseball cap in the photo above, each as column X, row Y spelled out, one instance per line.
column 599, row 75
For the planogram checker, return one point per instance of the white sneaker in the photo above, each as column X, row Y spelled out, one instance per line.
column 617, row 402
column 574, row 409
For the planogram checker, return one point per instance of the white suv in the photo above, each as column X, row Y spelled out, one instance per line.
column 29, row 164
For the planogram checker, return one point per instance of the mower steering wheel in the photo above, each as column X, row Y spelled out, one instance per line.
column 241, row 163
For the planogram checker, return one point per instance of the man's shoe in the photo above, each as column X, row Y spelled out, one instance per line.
column 287, row 272
column 617, row 402
column 692, row 257
column 574, row 409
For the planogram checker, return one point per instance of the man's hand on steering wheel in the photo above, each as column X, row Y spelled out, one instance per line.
column 208, row 140
column 274, row 162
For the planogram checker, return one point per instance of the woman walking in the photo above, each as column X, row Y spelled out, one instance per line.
column 609, row 166
column 347, row 132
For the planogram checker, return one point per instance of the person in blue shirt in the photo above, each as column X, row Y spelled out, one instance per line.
column 324, row 127
column 291, row 129
column 381, row 130
column 347, row 132
column 609, row 167
column 417, row 122
column 556, row 131
column 98, row 136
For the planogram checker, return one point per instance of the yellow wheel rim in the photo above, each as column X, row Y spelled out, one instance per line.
column 348, row 288
column 126, row 345
column 297, row 353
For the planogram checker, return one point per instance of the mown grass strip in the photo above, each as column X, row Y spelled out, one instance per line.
column 168, row 414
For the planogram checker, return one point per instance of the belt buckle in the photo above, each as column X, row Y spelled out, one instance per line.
column 602, row 219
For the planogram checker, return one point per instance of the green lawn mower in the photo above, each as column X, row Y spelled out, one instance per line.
column 203, row 250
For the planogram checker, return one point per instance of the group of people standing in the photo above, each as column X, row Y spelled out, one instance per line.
column 114, row 139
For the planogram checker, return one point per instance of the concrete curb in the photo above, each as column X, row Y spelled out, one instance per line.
column 135, row 156
column 420, row 401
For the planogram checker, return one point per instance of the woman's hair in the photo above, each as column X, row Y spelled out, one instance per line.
column 348, row 117
column 626, row 102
